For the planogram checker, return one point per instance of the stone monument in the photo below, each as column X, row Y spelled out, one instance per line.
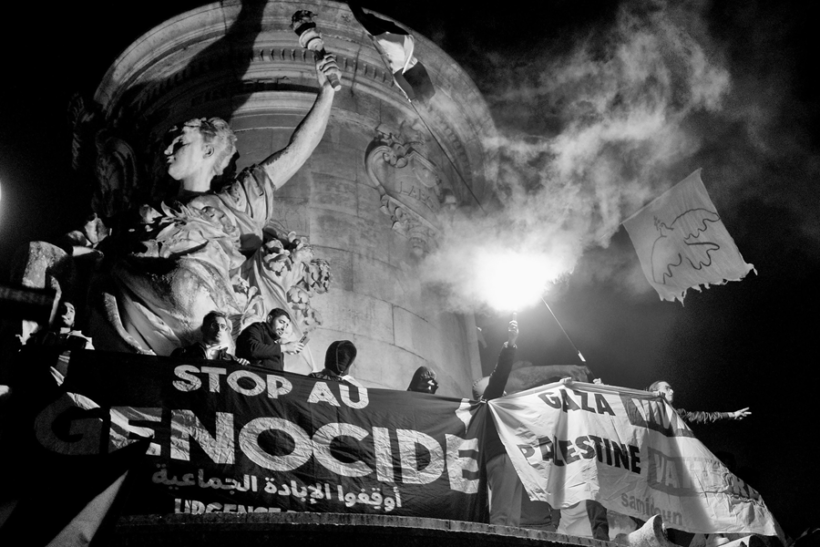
column 365, row 208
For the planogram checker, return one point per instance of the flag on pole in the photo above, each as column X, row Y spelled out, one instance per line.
column 396, row 46
column 682, row 243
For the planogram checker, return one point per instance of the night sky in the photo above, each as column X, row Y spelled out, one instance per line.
column 742, row 344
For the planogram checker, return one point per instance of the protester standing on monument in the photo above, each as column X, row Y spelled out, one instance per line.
column 61, row 333
column 424, row 381
column 216, row 339
column 265, row 343
column 662, row 388
column 505, row 487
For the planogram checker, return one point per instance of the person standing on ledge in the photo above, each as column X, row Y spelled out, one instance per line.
column 61, row 333
column 339, row 357
column 662, row 387
column 264, row 343
column 216, row 339
column 505, row 487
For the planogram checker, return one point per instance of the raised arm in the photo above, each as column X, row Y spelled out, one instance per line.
column 700, row 417
column 282, row 165
column 498, row 379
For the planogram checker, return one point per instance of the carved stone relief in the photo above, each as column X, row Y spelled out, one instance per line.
column 412, row 187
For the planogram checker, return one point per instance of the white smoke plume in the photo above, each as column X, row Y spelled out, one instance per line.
column 610, row 121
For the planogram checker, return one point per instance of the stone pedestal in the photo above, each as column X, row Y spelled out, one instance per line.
column 342, row 530
column 373, row 197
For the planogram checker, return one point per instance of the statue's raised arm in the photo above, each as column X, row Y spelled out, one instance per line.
column 282, row 165
column 201, row 149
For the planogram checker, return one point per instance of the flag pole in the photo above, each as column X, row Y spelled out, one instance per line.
column 429, row 130
column 580, row 355
column 446, row 154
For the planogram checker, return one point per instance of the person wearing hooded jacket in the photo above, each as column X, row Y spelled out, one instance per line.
column 338, row 360
column 424, row 381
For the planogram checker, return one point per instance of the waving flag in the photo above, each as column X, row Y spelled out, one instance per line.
column 396, row 47
column 682, row 242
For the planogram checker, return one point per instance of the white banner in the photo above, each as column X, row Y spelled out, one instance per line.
column 627, row 449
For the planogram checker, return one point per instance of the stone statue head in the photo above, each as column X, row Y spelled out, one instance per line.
column 217, row 133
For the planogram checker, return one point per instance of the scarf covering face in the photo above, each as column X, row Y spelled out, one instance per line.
column 340, row 356
column 421, row 379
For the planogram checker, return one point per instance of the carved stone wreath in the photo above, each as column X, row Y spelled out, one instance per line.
column 411, row 186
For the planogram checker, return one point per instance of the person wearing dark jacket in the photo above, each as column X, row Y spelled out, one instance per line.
column 216, row 332
column 263, row 343
column 698, row 417
column 61, row 332
column 505, row 487
column 424, row 381
column 339, row 358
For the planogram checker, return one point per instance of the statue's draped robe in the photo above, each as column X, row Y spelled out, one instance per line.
column 205, row 254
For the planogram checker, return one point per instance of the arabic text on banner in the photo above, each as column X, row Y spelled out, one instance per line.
column 233, row 439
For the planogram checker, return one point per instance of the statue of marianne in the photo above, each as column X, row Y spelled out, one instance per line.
column 190, row 258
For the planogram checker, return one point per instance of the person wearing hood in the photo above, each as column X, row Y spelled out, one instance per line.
column 338, row 360
column 662, row 388
column 424, row 381
column 264, row 343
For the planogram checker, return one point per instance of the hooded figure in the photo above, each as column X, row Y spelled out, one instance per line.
column 424, row 381
column 338, row 360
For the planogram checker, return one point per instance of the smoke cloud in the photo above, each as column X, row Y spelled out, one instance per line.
column 586, row 138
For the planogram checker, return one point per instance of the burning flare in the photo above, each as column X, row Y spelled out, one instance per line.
column 511, row 280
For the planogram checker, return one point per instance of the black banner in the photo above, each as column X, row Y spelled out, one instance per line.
column 227, row 438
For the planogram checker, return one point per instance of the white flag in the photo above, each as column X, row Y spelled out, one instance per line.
column 682, row 242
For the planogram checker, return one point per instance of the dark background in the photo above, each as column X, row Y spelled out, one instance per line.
column 742, row 344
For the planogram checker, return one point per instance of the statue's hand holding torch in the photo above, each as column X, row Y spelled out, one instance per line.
column 309, row 38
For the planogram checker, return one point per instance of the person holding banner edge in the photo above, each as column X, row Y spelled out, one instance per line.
column 505, row 487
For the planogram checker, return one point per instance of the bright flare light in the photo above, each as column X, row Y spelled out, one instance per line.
column 511, row 281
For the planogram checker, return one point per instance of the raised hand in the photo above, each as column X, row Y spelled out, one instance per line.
column 292, row 347
column 326, row 70
column 512, row 333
